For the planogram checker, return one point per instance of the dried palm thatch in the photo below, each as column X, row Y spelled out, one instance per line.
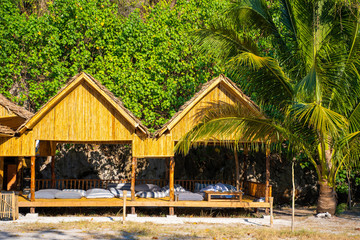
column 16, row 109
column 6, row 131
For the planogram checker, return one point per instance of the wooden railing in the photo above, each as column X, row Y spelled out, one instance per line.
column 159, row 182
column 251, row 188
column 256, row 189
column 84, row 184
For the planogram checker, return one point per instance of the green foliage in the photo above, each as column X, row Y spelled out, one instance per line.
column 308, row 84
column 342, row 180
column 341, row 208
column 146, row 59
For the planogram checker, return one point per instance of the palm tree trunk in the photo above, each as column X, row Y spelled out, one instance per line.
column 327, row 199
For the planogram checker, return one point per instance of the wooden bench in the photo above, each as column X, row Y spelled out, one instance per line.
column 235, row 196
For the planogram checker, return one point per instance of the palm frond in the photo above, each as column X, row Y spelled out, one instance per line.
column 264, row 77
column 253, row 13
column 222, row 41
column 323, row 120
column 309, row 87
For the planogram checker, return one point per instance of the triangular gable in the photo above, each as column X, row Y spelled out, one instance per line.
column 206, row 88
column 98, row 87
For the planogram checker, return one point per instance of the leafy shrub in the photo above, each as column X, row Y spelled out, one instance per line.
column 147, row 59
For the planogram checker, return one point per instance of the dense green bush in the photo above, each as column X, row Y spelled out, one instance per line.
column 147, row 59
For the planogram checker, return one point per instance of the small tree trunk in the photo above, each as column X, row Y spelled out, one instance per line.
column 327, row 199
column 349, row 188
column 293, row 197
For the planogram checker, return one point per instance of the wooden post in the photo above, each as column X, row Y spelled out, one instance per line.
column 171, row 183
column 237, row 169
column 52, row 171
column 293, row 196
column 244, row 174
column 267, row 174
column 1, row 172
column 13, row 210
column 32, row 179
column 32, row 183
column 133, row 178
column 124, row 206
column 271, row 212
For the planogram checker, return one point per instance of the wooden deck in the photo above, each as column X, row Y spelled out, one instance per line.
column 247, row 202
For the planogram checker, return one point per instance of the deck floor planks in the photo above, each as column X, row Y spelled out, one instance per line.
column 247, row 202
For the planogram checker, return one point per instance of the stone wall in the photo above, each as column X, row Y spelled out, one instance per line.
column 106, row 161
column 85, row 161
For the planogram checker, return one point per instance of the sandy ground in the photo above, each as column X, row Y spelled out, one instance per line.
column 344, row 226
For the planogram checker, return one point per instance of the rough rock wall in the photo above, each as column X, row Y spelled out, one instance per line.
column 280, row 178
column 106, row 161
column 219, row 163
column 85, row 161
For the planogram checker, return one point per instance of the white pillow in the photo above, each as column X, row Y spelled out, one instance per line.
column 98, row 193
column 82, row 192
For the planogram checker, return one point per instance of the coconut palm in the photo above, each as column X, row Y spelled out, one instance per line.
column 308, row 87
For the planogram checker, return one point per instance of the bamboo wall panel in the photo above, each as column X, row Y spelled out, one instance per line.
column 18, row 146
column 164, row 145
column 149, row 147
column 83, row 115
column 190, row 119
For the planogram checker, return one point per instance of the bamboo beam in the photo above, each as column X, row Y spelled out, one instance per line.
column 32, row 179
column 133, row 178
column 53, row 171
column 171, row 183
column 237, row 169
column 1, row 172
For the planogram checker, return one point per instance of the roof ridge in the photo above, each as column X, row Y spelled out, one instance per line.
column 16, row 109
column 102, row 88
column 203, row 88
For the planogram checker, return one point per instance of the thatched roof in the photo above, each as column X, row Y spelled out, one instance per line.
column 20, row 111
column 6, row 131
column 88, row 77
column 206, row 87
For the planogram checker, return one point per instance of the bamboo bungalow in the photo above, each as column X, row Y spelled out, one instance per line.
column 84, row 111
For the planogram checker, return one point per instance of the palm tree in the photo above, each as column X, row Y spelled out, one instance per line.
column 308, row 87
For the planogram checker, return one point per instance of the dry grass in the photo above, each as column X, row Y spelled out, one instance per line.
column 143, row 212
column 132, row 230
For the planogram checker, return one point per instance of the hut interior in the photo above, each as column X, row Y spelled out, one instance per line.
column 84, row 111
